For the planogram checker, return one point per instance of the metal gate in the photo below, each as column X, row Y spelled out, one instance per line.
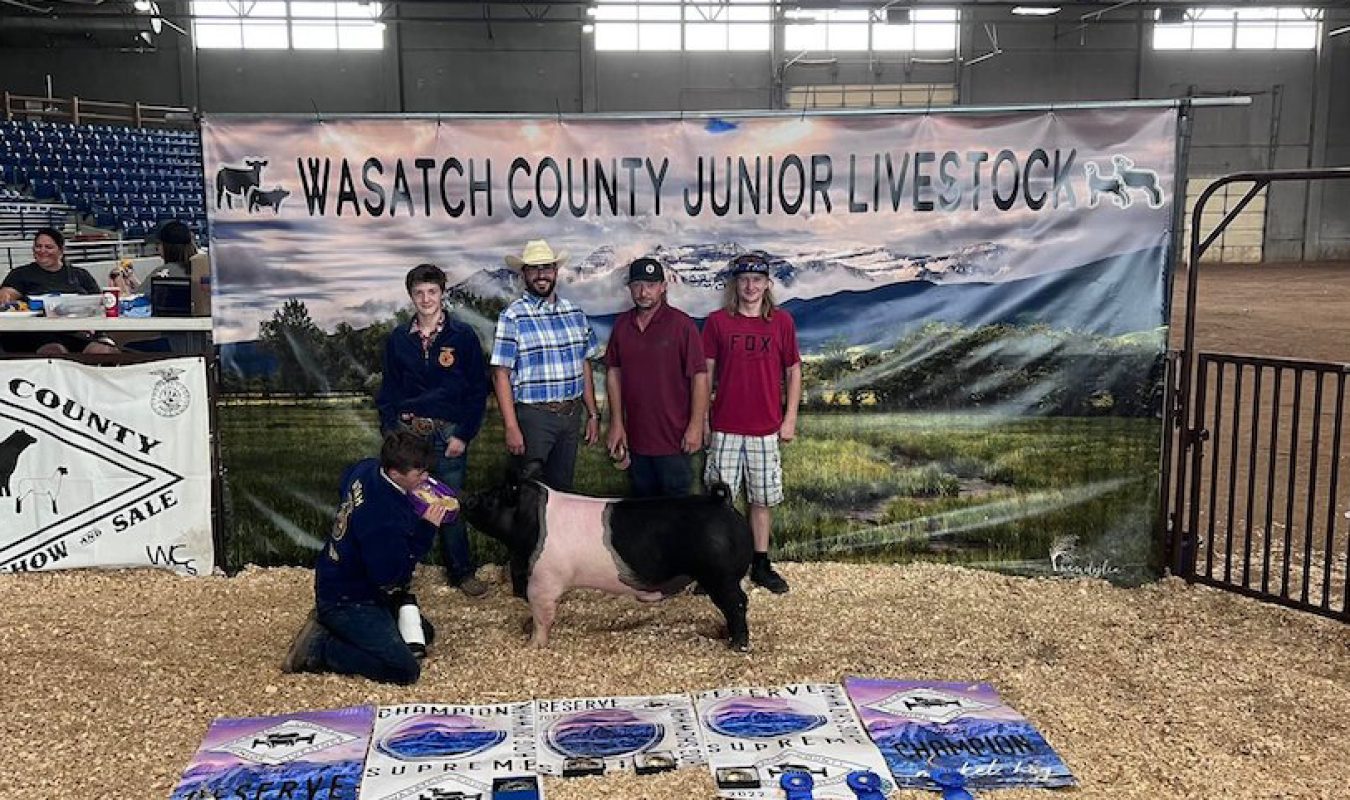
column 1251, row 479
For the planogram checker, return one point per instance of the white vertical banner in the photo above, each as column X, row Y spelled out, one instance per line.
column 105, row 466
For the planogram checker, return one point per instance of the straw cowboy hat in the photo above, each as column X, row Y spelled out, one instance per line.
column 537, row 253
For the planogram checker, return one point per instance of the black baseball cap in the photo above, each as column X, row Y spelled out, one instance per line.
column 171, row 232
column 646, row 269
column 753, row 262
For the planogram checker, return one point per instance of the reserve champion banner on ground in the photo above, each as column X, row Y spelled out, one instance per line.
column 105, row 466
column 979, row 300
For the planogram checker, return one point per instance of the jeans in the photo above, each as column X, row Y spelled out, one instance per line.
column 363, row 639
column 454, row 537
column 660, row 476
column 553, row 439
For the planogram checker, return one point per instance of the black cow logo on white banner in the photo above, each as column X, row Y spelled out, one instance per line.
column 10, row 450
column 238, row 182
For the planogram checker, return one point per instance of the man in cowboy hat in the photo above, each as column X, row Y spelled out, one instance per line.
column 657, row 384
column 540, row 369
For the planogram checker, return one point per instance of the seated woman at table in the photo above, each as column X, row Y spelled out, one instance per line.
column 49, row 273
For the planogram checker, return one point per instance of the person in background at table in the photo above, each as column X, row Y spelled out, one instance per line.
column 176, row 247
column 49, row 273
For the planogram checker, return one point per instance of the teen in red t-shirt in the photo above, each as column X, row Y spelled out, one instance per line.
column 751, row 347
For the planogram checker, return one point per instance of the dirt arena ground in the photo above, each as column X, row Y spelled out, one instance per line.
column 1166, row 691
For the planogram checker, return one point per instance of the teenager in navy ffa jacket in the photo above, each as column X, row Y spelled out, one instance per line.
column 435, row 385
column 365, row 569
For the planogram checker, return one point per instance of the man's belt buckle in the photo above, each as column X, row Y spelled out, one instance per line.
column 423, row 426
column 559, row 406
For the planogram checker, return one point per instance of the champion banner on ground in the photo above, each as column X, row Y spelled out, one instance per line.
column 979, row 299
column 926, row 727
column 435, row 750
column 105, row 466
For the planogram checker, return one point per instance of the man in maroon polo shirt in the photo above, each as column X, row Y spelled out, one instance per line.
column 657, row 381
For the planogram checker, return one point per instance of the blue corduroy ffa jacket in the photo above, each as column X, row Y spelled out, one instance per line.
column 375, row 543
column 450, row 382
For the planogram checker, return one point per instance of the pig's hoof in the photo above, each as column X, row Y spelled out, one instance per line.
column 740, row 645
column 527, row 627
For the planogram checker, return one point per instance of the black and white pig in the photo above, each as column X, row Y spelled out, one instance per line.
column 650, row 549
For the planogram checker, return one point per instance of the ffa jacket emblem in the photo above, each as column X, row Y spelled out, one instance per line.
column 447, row 357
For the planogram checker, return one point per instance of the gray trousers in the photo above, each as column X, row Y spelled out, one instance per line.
column 552, row 439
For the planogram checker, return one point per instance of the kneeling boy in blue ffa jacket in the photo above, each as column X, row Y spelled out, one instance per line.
column 365, row 569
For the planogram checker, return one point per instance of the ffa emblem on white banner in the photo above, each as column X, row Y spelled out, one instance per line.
column 170, row 397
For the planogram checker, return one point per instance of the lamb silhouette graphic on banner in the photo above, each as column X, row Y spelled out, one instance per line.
column 1124, row 177
column 50, row 487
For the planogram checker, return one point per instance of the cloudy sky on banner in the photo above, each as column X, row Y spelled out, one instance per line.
column 350, row 267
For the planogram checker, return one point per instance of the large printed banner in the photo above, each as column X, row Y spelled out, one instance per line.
column 756, row 735
column 596, row 735
column 311, row 754
column 436, row 750
column 105, row 466
column 979, row 299
column 924, row 728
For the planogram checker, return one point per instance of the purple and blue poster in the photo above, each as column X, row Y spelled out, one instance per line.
column 311, row 754
column 980, row 301
column 427, row 750
column 754, row 737
column 922, row 727
column 584, row 736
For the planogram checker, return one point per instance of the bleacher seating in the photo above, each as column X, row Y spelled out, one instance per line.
column 119, row 178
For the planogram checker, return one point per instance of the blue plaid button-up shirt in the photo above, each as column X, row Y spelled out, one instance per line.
column 544, row 345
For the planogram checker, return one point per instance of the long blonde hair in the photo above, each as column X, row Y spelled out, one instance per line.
column 732, row 303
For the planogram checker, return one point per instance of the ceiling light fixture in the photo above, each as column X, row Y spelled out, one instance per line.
column 1035, row 11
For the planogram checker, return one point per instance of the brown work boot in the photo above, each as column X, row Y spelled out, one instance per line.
column 298, row 657
column 472, row 587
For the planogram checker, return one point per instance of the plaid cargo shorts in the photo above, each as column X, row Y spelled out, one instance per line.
column 734, row 459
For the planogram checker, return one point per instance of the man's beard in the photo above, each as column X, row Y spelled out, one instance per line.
column 530, row 287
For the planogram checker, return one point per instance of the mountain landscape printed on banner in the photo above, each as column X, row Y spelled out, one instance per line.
column 698, row 272
column 875, row 295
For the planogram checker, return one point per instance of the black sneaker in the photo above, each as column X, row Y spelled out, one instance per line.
column 297, row 658
column 769, row 578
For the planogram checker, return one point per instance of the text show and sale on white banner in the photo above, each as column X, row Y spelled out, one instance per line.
column 105, row 466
